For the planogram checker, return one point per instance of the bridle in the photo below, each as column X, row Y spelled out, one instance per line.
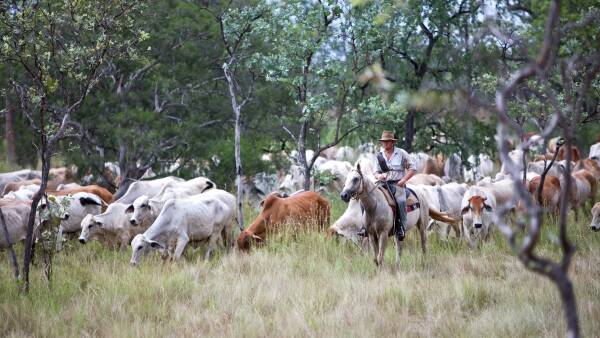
column 361, row 189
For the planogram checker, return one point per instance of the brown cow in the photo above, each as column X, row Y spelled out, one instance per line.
column 550, row 192
column 575, row 154
column 305, row 207
column 434, row 165
column 104, row 194
column 589, row 165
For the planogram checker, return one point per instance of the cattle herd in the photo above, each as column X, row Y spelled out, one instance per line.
column 448, row 198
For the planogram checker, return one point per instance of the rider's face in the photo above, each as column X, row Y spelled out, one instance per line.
column 387, row 145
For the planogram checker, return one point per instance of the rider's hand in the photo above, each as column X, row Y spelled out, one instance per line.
column 380, row 177
column 401, row 183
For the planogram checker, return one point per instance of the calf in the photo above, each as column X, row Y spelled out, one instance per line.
column 307, row 207
column 198, row 217
column 111, row 227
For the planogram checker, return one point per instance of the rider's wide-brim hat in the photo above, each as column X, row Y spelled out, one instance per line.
column 387, row 136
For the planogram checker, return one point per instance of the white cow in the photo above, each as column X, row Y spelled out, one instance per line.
column 595, row 152
column 419, row 159
column 79, row 205
column 349, row 224
column 195, row 218
column 17, row 176
column 516, row 156
column 339, row 170
column 367, row 163
column 477, row 207
column 25, row 193
column 481, row 166
column 16, row 215
column 595, row 226
column 148, row 188
column 145, row 209
column 293, row 180
column 504, row 192
column 111, row 227
column 446, row 198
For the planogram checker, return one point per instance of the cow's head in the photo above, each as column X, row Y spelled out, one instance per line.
column 140, row 245
column 245, row 240
column 353, row 185
column 140, row 210
column 88, row 227
column 595, row 226
column 476, row 211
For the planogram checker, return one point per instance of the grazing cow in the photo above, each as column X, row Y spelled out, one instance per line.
column 453, row 168
column 306, row 207
column 503, row 191
column 550, row 191
column 349, row 224
column 595, row 226
column 78, row 206
column 425, row 179
column 149, row 188
column 194, row 218
column 97, row 190
column 145, row 209
column 16, row 215
column 575, row 154
column 595, row 152
column 111, row 227
column 477, row 207
column 16, row 176
column 481, row 166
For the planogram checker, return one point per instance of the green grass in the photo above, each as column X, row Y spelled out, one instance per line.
column 304, row 285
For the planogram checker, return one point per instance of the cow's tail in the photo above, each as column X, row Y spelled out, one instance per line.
column 441, row 216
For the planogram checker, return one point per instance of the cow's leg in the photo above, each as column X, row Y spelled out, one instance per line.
column 382, row 244
column 182, row 241
column 59, row 237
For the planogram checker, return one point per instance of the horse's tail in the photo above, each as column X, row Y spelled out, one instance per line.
column 441, row 216
column 423, row 217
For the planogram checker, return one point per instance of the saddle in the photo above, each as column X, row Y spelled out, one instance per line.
column 389, row 190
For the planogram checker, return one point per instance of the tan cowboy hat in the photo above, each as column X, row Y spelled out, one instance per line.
column 387, row 136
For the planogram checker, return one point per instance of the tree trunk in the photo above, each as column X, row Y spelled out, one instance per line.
column 238, row 158
column 302, row 155
column 409, row 130
column 11, row 154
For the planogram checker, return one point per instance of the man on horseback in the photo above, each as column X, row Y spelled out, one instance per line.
column 394, row 167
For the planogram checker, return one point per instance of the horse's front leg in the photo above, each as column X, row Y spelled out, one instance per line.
column 382, row 244
column 374, row 245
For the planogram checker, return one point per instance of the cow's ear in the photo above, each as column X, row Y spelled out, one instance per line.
column 89, row 200
column 487, row 207
column 358, row 167
column 129, row 209
column 209, row 185
column 156, row 245
column 465, row 210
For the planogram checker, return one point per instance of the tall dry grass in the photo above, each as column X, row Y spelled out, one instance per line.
column 304, row 285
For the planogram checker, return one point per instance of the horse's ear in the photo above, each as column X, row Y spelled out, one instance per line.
column 358, row 167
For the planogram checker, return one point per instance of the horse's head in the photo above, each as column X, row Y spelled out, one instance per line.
column 353, row 184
